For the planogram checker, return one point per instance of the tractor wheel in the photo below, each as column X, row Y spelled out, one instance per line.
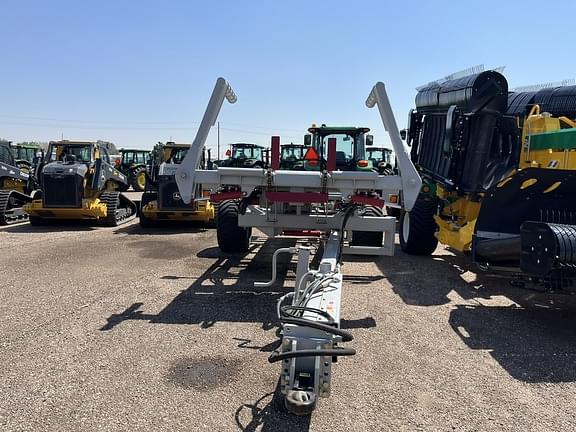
column 138, row 179
column 368, row 238
column 24, row 166
column 231, row 237
column 417, row 228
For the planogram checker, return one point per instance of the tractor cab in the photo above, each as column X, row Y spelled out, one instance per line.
column 292, row 156
column 25, row 155
column 76, row 152
column 245, row 155
column 382, row 159
column 350, row 147
column 174, row 154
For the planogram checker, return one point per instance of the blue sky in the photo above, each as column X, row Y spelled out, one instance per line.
column 138, row 72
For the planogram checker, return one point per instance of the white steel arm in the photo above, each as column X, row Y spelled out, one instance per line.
column 185, row 174
column 411, row 181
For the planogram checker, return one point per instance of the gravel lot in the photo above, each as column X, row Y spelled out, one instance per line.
column 130, row 330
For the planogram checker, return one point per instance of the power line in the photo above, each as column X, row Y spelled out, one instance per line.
column 48, row 119
column 65, row 126
column 60, row 123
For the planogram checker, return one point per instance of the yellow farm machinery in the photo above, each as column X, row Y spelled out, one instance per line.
column 499, row 177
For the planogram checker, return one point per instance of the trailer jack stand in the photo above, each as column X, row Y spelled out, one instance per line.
column 300, row 402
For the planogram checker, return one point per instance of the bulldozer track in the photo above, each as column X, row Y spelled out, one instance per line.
column 120, row 210
column 11, row 214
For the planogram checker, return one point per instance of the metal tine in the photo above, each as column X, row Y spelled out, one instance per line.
column 541, row 86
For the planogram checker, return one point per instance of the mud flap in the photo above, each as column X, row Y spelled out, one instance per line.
column 532, row 194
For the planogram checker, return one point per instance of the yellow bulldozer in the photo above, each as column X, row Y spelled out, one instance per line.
column 161, row 200
column 78, row 182
column 499, row 177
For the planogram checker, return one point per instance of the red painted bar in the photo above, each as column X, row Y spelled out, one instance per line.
column 222, row 196
column 331, row 154
column 275, row 148
column 363, row 199
column 297, row 197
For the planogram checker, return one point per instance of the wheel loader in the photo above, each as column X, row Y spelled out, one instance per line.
column 78, row 182
column 17, row 187
column 161, row 200
column 499, row 177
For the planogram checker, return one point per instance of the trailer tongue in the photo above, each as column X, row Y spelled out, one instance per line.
column 340, row 209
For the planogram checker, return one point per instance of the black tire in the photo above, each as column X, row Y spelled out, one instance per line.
column 368, row 238
column 231, row 237
column 136, row 185
column 37, row 221
column 24, row 166
column 394, row 212
column 146, row 198
column 417, row 228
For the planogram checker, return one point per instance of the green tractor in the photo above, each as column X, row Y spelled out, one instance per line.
column 244, row 155
column 133, row 165
column 25, row 154
column 382, row 159
column 351, row 145
column 292, row 156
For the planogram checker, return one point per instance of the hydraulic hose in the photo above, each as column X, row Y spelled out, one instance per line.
column 346, row 336
column 330, row 352
column 284, row 312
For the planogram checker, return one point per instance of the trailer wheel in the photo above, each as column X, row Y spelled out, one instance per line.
column 417, row 228
column 231, row 237
column 368, row 238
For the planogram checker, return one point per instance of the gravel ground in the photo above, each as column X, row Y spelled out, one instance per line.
column 130, row 330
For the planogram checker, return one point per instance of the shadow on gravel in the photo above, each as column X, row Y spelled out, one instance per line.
column 533, row 345
column 533, row 340
column 52, row 226
column 226, row 292
column 163, row 229
column 427, row 281
column 268, row 414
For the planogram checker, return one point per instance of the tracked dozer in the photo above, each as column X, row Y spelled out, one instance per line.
column 17, row 187
column 499, row 177
column 78, row 182
column 161, row 200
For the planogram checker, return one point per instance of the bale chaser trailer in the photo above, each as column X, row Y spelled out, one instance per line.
column 329, row 204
